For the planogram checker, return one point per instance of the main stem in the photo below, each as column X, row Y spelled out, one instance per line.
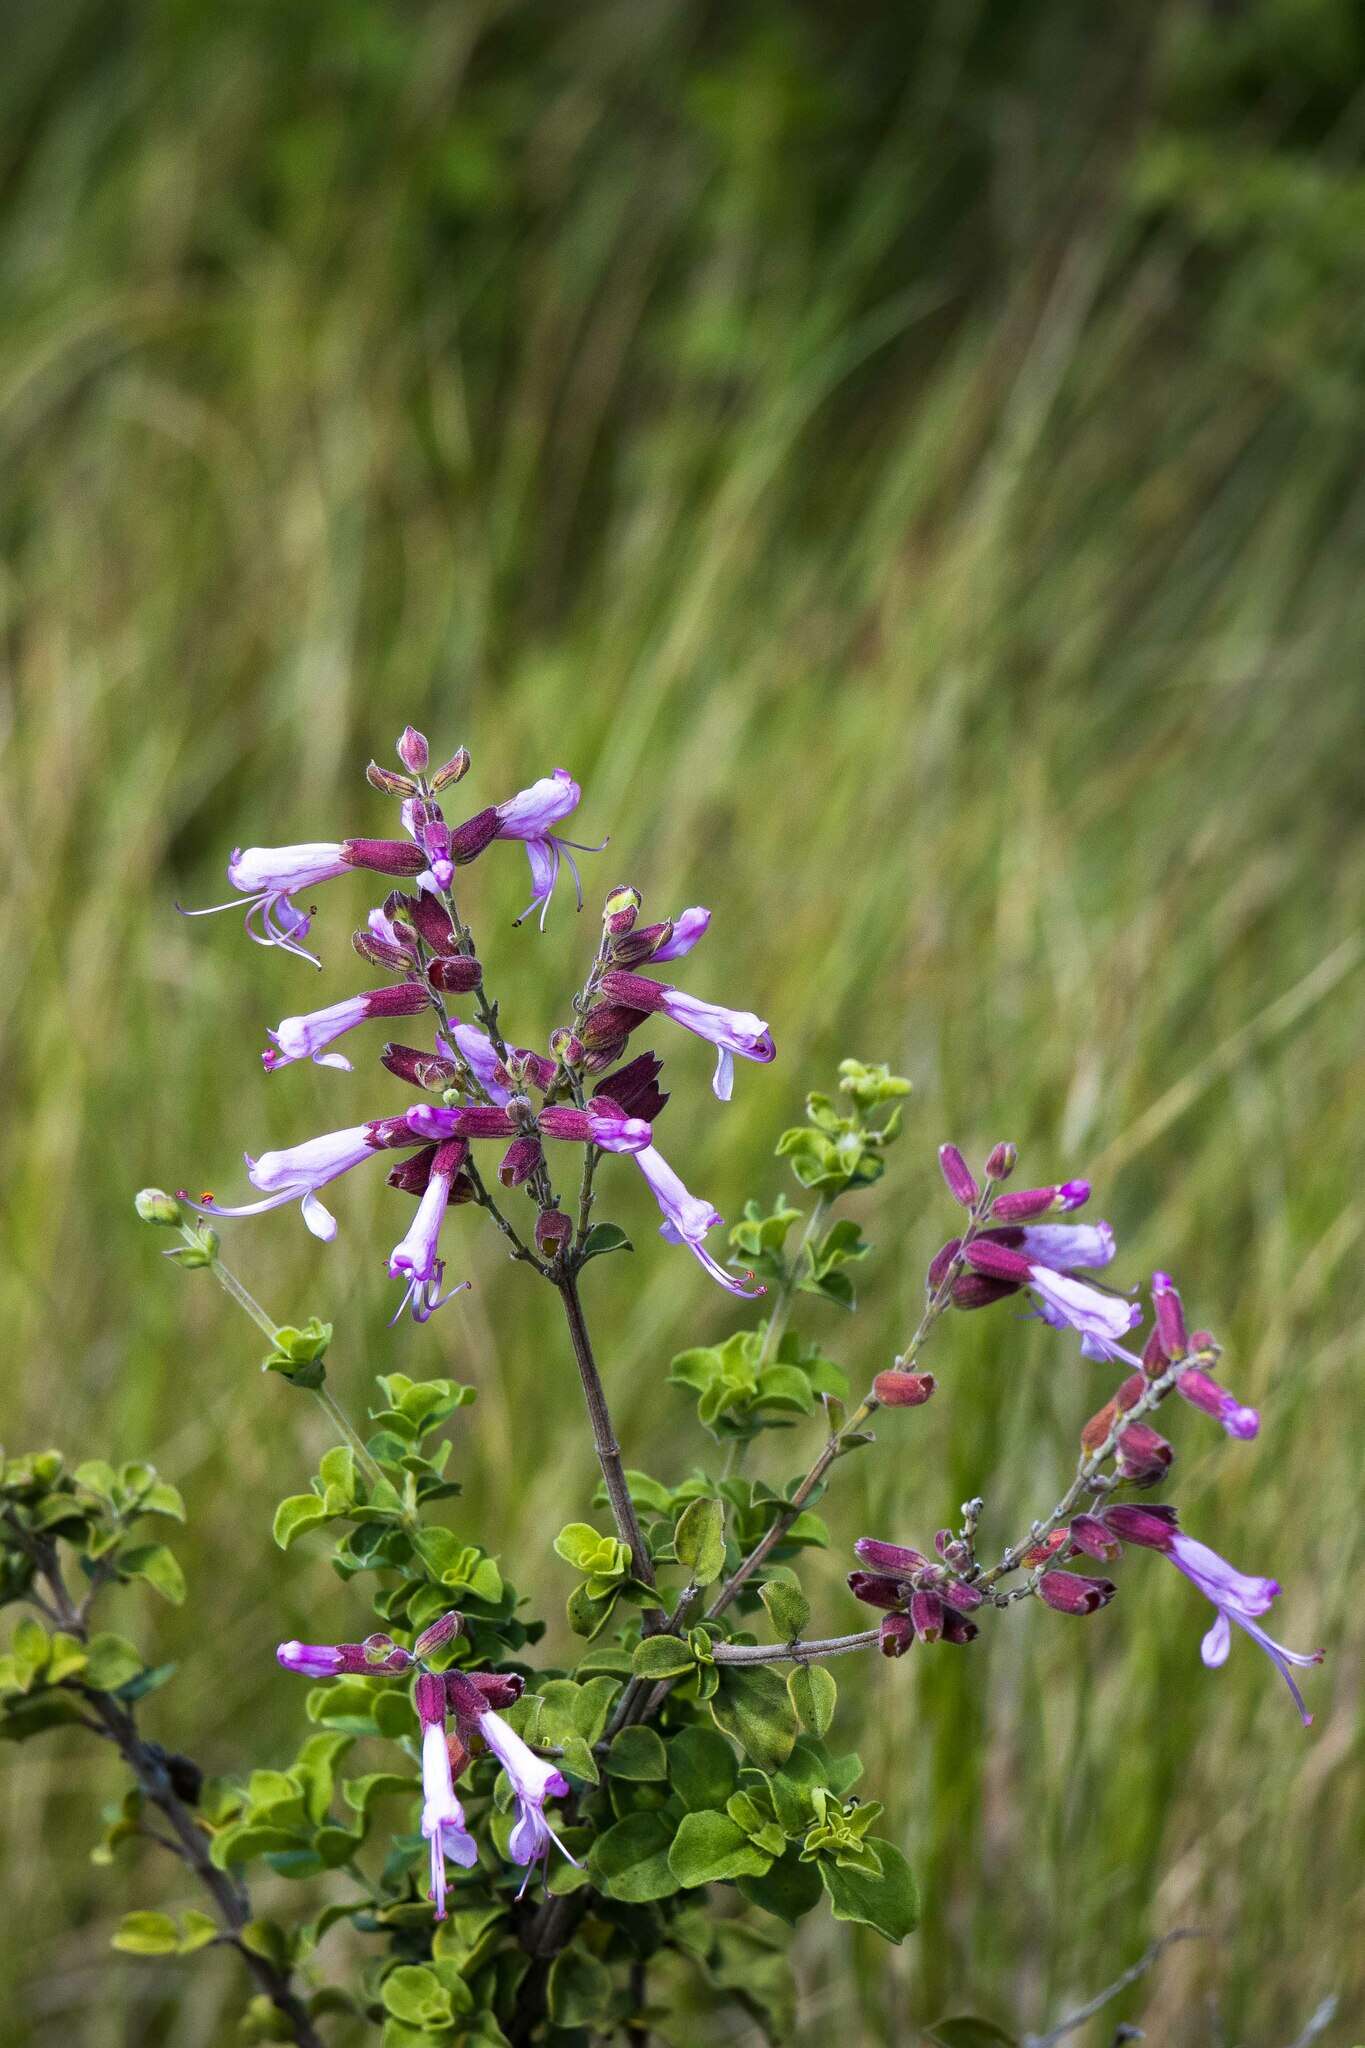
column 604, row 1442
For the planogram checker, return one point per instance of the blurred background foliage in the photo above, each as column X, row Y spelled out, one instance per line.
column 906, row 461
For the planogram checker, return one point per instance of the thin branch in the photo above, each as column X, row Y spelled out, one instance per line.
column 1319, row 2022
column 605, row 1444
column 1102, row 1998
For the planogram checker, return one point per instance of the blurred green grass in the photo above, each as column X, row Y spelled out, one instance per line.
column 910, row 472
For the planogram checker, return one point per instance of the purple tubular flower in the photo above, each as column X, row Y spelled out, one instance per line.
column 414, row 1259
column 528, row 816
column 1025, row 1203
column 303, row 1038
column 896, row 1635
column 1151, row 1528
column 956, row 1172
column 1238, row 1598
column 296, row 1174
column 687, row 1218
column 1061, row 1245
column 730, row 1031
column 602, row 1123
column 443, row 1821
column 532, row 1778
column 1203, row 1392
column 268, row 876
column 688, row 927
column 1100, row 1319
column 926, row 1614
column 326, row 1660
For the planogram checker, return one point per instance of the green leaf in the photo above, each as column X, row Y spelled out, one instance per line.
column 197, row 1930
column 889, row 1903
column 964, row 2030
column 579, row 1988
column 661, row 1657
column 709, row 1848
column 702, row 1768
column 638, row 1754
column 293, row 1516
column 147, row 1934
column 789, row 1890
column 751, row 1703
column 416, row 1995
column 813, row 1693
column 788, row 1607
column 630, row 1861
column 587, row 1616
column 158, row 1566
column 604, row 1238
column 699, row 1540
column 110, row 1662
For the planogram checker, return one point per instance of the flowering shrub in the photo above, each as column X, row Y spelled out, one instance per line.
column 535, row 1853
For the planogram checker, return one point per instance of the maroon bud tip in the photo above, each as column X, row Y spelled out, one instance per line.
column 1151, row 1528
column 956, row 1172
column 443, row 1630
column 903, row 1389
column 1001, row 1161
column 895, row 1558
column 1023, row 1204
column 874, row 1589
column 957, row 1628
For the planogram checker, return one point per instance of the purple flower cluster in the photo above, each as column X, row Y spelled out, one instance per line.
column 1005, row 1250
column 468, row 1700
column 486, row 1089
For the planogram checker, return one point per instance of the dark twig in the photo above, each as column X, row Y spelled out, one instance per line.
column 1102, row 1998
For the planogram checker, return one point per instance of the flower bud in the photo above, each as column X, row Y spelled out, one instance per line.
column 956, row 1593
column 875, row 1590
column 1089, row 1534
column 553, row 1231
column 429, row 1698
column 1170, row 1316
column 903, row 1389
column 412, row 750
column 567, row 1047
column 940, row 1264
column 620, row 911
column 389, row 784
column 1143, row 1456
column 455, row 770
column 896, row 1635
column 1001, row 1161
column 455, row 976
column 957, row 1628
column 956, row 1172
column 443, row 1630
column 926, row 1614
column 154, row 1205
column 895, row 1558
column 951, row 1548
column 607, row 1027
column 1074, row 1593
column 1151, row 1528
column 980, row 1290
column 428, row 917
